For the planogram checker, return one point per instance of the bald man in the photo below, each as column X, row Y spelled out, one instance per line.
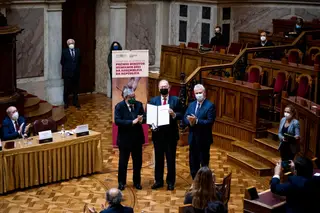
column 13, row 125
column 114, row 198
column 70, row 62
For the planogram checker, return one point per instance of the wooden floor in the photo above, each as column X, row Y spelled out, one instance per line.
column 71, row 196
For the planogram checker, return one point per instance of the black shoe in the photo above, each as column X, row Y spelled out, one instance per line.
column 66, row 106
column 157, row 185
column 121, row 186
column 170, row 187
column 137, row 186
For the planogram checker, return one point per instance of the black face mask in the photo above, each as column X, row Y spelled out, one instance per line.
column 164, row 91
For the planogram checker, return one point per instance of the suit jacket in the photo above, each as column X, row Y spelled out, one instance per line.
column 298, row 197
column 169, row 132
column 129, row 135
column 219, row 40
column 70, row 65
column 8, row 131
column 293, row 129
column 206, row 115
column 117, row 209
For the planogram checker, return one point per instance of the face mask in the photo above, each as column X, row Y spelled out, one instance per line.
column 287, row 115
column 71, row 46
column 199, row 97
column 115, row 47
column 15, row 116
column 132, row 101
column 164, row 91
column 298, row 26
column 263, row 38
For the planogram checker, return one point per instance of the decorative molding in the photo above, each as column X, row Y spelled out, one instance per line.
column 47, row 2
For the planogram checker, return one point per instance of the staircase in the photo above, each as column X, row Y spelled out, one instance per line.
column 260, row 157
column 35, row 109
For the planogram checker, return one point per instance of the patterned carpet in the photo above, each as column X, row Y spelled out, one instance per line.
column 71, row 196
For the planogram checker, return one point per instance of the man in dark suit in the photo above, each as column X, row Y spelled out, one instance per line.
column 264, row 42
column 299, row 197
column 165, row 137
column 200, row 117
column 70, row 61
column 218, row 39
column 13, row 125
column 129, row 115
column 114, row 198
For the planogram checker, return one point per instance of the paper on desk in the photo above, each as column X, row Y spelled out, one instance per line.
column 152, row 114
column 163, row 115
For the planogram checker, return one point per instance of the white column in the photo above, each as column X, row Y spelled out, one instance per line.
column 118, row 19
column 162, row 29
column 54, row 83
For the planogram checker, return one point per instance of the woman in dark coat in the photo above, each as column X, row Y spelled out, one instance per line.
column 114, row 46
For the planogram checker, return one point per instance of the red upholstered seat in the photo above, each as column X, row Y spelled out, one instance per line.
column 254, row 74
column 207, row 45
column 44, row 125
column 317, row 58
column 174, row 91
column 309, row 59
column 280, row 82
column 303, row 86
column 193, row 45
column 234, row 48
column 295, row 56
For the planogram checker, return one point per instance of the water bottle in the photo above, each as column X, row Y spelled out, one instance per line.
column 63, row 132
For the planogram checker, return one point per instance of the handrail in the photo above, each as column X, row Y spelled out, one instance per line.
column 243, row 52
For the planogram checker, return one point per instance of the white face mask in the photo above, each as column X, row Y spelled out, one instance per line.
column 199, row 97
column 71, row 46
column 287, row 115
column 15, row 116
column 263, row 38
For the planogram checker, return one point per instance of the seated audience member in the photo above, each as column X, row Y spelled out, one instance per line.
column 13, row 125
column 264, row 42
column 218, row 39
column 299, row 26
column 113, row 198
column 299, row 198
column 203, row 190
column 215, row 207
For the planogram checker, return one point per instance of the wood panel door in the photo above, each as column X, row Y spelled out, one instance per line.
column 78, row 22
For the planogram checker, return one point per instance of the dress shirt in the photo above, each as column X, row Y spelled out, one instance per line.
column 72, row 52
column 162, row 99
column 276, row 176
column 14, row 125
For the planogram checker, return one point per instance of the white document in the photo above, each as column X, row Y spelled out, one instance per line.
column 82, row 128
column 45, row 135
column 163, row 115
column 158, row 115
column 152, row 115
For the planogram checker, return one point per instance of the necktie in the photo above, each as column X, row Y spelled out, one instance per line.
column 72, row 53
column 197, row 109
column 16, row 125
column 164, row 101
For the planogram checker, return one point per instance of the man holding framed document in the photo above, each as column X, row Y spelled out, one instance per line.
column 162, row 115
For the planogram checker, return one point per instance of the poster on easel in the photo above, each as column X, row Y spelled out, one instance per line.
column 130, row 68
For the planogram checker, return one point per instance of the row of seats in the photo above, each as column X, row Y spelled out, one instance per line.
column 311, row 57
column 281, row 82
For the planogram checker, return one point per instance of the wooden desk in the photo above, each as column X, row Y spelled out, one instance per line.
column 36, row 164
column 309, row 125
column 272, row 68
column 266, row 203
column 175, row 60
column 237, row 107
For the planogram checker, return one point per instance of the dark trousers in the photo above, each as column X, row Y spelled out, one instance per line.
column 71, row 86
column 168, row 149
column 136, row 154
column 198, row 154
column 285, row 152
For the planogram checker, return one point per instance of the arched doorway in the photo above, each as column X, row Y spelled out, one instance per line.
column 79, row 23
